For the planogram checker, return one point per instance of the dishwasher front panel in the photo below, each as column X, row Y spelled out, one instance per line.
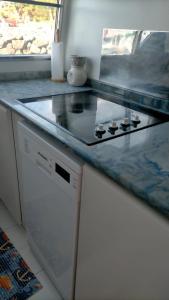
column 51, row 211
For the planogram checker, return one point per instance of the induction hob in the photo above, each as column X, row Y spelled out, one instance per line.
column 89, row 117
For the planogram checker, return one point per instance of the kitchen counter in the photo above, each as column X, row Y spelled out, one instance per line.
column 138, row 161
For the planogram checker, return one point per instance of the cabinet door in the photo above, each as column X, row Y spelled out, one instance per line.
column 9, row 192
column 123, row 245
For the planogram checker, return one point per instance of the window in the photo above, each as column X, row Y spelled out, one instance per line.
column 27, row 26
column 118, row 41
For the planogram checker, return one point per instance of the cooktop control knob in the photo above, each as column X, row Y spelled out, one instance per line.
column 126, row 121
column 100, row 127
column 136, row 120
column 100, row 130
column 113, row 127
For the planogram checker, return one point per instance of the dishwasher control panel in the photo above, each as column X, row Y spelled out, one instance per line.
column 51, row 160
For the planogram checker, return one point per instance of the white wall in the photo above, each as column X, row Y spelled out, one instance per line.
column 86, row 18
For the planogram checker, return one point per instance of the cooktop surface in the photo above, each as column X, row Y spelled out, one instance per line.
column 89, row 117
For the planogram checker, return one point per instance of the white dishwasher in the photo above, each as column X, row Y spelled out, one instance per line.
column 51, row 200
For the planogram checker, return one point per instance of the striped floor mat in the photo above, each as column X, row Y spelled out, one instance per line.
column 17, row 282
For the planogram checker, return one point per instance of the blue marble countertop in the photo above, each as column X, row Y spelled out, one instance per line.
column 137, row 161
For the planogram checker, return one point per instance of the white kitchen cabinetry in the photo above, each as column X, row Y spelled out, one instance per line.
column 9, row 191
column 123, row 245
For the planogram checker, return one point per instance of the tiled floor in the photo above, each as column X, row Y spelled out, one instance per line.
column 17, row 236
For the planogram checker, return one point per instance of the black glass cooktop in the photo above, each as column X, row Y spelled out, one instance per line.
column 88, row 116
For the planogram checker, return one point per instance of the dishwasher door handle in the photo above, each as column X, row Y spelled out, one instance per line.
column 42, row 156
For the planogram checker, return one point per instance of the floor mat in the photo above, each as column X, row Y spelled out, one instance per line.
column 17, row 282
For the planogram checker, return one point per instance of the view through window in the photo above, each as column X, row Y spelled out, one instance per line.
column 118, row 41
column 26, row 29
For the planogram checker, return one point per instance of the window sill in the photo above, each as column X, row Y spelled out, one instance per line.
column 24, row 57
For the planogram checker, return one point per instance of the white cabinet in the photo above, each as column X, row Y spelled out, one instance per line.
column 9, row 191
column 123, row 245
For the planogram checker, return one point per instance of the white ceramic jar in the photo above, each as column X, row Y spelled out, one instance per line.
column 77, row 74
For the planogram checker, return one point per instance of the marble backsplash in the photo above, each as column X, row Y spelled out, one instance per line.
column 137, row 61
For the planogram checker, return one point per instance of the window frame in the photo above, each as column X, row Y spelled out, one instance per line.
column 58, row 24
